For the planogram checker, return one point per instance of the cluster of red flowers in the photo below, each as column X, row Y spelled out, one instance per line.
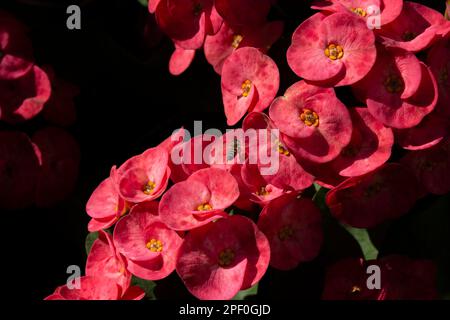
column 398, row 70
column 46, row 163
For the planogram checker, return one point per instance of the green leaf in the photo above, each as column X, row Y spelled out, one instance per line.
column 143, row 2
column 319, row 197
column 369, row 251
column 146, row 285
column 90, row 238
column 242, row 295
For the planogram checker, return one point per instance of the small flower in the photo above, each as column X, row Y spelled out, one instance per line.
column 368, row 200
column 105, row 261
column 218, row 260
column 431, row 167
column 369, row 148
column 24, row 97
column 16, row 57
column 148, row 245
column 385, row 10
column 143, row 177
column 220, row 46
column 250, row 81
column 314, row 124
column 294, row 230
column 333, row 50
column 199, row 199
column 105, row 206
column 415, row 29
column 399, row 90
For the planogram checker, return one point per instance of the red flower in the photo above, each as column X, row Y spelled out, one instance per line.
column 415, row 28
column 289, row 174
column 96, row 288
column 407, row 279
column 366, row 201
column 105, row 261
column 389, row 9
column 15, row 48
column 180, row 60
column 188, row 22
column 315, row 124
column 223, row 257
column 143, row 177
column 369, row 148
column 23, row 98
column 19, row 169
column 105, row 206
column 346, row 280
column 333, row 50
column 59, row 157
column 148, row 245
column 432, row 167
column 243, row 12
column 220, row 46
column 399, row 90
column 260, row 190
column 294, row 229
column 250, row 81
column 153, row 5
column 426, row 134
column 199, row 199
column 401, row 279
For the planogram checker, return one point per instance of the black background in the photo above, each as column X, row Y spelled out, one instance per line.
column 130, row 102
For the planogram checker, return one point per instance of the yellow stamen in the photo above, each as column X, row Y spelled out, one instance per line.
column 246, row 87
column 334, row 51
column 310, row 118
column 149, row 187
column 359, row 11
column 154, row 245
column 204, row 207
column 226, row 257
column 355, row 290
column 262, row 192
column 237, row 39
column 283, row 150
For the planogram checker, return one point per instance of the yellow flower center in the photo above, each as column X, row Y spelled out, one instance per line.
column 310, row 118
column 226, row 257
column 246, row 87
column 237, row 39
column 355, row 290
column 359, row 11
column 262, row 192
column 283, row 150
column 149, row 187
column 334, row 51
column 285, row 233
column 154, row 245
column 204, row 207
column 394, row 84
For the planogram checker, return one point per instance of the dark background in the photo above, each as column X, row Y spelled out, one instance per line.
column 130, row 102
